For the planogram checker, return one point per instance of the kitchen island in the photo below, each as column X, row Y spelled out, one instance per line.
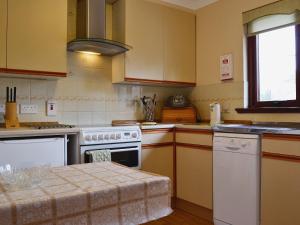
column 95, row 194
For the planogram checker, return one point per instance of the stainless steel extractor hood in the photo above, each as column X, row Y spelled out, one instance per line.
column 91, row 30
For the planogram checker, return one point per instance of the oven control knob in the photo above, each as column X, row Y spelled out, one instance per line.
column 88, row 137
column 100, row 137
column 113, row 136
column 106, row 137
column 118, row 136
column 94, row 137
column 134, row 135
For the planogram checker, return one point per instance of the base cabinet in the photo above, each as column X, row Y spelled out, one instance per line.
column 280, row 192
column 158, row 160
column 194, row 176
column 158, row 152
column 280, row 180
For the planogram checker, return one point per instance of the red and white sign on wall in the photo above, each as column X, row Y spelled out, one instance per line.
column 226, row 67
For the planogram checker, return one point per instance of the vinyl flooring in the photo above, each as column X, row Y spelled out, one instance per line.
column 179, row 217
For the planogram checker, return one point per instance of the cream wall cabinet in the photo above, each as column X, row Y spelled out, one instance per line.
column 280, row 180
column 163, row 41
column 3, row 24
column 194, row 166
column 37, row 37
column 179, row 45
column 143, row 31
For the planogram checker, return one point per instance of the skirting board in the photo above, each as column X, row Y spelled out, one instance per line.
column 196, row 210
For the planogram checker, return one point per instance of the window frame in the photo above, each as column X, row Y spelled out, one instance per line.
column 254, row 105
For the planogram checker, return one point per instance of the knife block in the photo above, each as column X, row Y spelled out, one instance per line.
column 11, row 117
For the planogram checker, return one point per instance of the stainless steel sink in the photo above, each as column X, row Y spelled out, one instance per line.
column 257, row 129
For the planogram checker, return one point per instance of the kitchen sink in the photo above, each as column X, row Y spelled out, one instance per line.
column 256, row 128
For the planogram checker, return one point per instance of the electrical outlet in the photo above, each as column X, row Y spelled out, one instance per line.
column 2, row 108
column 29, row 109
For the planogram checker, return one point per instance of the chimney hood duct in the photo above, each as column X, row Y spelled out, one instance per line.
column 91, row 30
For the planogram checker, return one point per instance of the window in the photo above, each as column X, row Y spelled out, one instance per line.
column 273, row 68
column 273, row 57
column 277, row 65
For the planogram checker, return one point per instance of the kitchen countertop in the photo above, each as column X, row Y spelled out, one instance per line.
column 267, row 129
column 198, row 126
column 28, row 132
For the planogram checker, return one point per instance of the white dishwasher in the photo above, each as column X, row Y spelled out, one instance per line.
column 31, row 152
column 236, row 179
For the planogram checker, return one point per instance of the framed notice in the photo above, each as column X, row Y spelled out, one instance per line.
column 226, row 67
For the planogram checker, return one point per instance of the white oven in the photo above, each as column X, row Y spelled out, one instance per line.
column 128, row 154
column 124, row 144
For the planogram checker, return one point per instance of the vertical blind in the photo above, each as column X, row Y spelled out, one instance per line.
column 272, row 16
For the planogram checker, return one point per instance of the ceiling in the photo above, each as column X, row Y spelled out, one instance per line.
column 190, row 4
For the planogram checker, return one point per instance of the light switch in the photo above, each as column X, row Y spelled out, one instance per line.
column 51, row 108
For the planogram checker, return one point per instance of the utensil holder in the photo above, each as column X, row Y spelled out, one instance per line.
column 11, row 116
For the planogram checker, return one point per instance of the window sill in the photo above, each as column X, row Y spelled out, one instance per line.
column 269, row 110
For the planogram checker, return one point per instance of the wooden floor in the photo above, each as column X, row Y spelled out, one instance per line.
column 179, row 217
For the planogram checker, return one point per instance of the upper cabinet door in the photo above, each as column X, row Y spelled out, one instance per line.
column 179, row 45
column 37, row 35
column 3, row 28
column 144, row 34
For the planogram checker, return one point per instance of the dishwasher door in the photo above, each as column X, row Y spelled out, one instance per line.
column 236, row 180
column 26, row 153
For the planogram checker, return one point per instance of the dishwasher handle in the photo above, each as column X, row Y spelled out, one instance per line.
column 233, row 148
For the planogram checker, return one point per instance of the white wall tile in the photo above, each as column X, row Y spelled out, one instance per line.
column 84, row 118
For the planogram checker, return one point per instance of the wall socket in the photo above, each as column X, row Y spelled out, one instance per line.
column 2, row 108
column 29, row 109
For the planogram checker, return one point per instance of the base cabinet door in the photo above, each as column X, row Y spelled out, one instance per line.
column 194, row 175
column 158, row 160
column 280, row 195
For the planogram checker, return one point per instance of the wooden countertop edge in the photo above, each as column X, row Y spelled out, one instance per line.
column 195, row 146
column 291, row 137
column 157, row 145
column 279, row 156
column 157, row 130
column 193, row 130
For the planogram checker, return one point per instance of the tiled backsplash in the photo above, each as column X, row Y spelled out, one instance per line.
column 231, row 96
column 86, row 96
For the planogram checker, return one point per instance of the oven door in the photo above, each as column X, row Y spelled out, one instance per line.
column 127, row 154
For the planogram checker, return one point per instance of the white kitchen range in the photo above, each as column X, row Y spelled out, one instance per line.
column 123, row 142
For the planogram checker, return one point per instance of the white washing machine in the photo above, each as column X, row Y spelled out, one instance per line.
column 236, row 179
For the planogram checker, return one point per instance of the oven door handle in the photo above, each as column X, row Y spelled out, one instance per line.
column 116, row 150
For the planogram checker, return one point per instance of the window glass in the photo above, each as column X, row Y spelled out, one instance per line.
column 277, row 65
